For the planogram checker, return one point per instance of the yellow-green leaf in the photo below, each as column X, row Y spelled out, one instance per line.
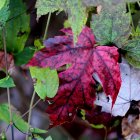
column 77, row 14
column 47, row 81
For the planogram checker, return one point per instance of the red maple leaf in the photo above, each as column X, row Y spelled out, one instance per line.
column 76, row 83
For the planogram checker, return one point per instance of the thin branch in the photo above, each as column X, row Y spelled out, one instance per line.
column 27, row 111
column 47, row 25
column 8, row 90
column 30, row 112
column 138, row 3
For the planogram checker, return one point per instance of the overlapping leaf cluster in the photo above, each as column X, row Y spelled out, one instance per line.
column 110, row 26
column 76, row 12
column 76, row 88
column 93, row 51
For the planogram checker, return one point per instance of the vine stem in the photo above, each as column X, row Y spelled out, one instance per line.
column 8, row 90
column 47, row 25
column 138, row 3
column 30, row 113
column 27, row 111
column 34, row 93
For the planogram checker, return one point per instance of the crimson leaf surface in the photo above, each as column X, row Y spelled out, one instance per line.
column 76, row 88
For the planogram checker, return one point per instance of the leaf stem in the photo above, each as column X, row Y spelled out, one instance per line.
column 30, row 113
column 138, row 3
column 8, row 89
column 27, row 111
column 47, row 25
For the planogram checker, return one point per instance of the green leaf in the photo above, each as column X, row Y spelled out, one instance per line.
column 7, row 82
column 105, row 2
column 18, row 121
column 37, row 137
column 46, row 81
column 66, row 24
column 116, row 123
column 49, row 138
column 37, row 131
column 83, row 113
column 38, row 44
column 98, row 126
column 136, row 33
column 17, row 27
column 2, row 3
column 24, row 56
column 133, row 52
column 4, row 13
column 77, row 14
column 111, row 26
column 3, row 136
column 46, row 6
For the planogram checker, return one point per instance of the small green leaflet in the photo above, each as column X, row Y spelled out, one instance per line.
column 133, row 52
column 38, row 45
column 18, row 121
column 37, row 137
column 83, row 113
column 17, row 28
column 24, row 56
column 49, row 138
column 136, row 32
column 46, row 6
column 3, row 136
column 98, row 126
column 105, row 2
column 111, row 26
column 76, row 12
column 47, row 81
column 4, row 13
column 7, row 82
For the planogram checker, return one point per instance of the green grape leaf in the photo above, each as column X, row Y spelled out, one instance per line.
column 47, row 81
column 105, row 2
column 7, row 82
column 3, row 136
column 17, row 27
column 18, row 121
column 133, row 52
column 4, row 12
column 77, row 14
column 24, row 56
column 46, row 6
column 111, row 26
